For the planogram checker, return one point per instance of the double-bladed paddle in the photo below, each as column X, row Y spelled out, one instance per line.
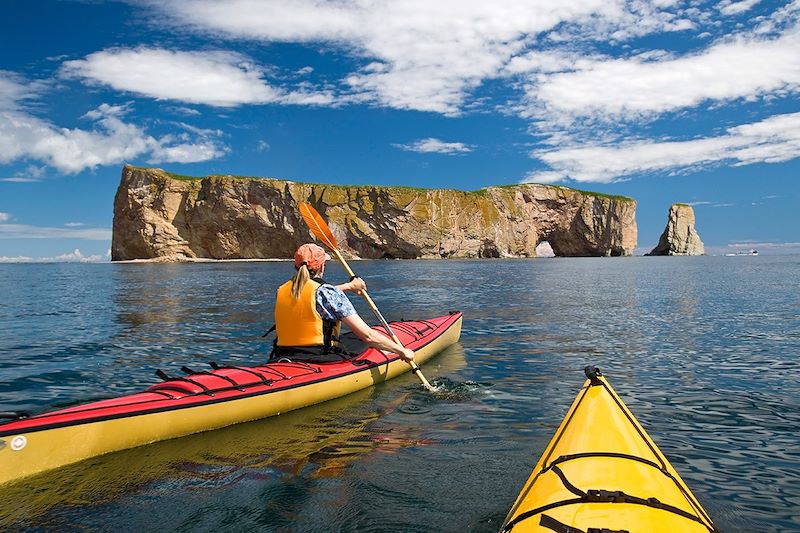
column 321, row 230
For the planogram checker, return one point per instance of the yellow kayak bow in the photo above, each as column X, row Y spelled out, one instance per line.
column 603, row 472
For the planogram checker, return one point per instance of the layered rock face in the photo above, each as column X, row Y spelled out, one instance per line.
column 164, row 217
column 680, row 236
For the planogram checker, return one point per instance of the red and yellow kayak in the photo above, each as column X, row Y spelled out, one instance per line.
column 603, row 472
column 205, row 400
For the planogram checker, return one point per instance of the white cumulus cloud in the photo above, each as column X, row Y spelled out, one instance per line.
column 77, row 256
column 728, row 7
column 773, row 140
column 436, row 146
column 216, row 78
column 419, row 54
column 16, row 259
column 70, row 257
column 111, row 140
column 649, row 85
column 11, row 91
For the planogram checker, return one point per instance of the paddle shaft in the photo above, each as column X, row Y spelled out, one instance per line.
column 371, row 304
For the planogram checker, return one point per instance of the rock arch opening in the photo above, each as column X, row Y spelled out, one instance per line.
column 543, row 249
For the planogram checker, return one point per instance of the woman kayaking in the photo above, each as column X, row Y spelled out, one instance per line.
column 309, row 313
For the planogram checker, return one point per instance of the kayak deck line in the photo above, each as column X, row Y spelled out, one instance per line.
column 184, row 405
column 187, row 394
column 600, row 455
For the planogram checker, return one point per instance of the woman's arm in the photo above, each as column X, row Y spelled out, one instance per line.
column 376, row 339
column 356, row 285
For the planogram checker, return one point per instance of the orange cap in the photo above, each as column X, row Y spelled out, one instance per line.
column 312, row 255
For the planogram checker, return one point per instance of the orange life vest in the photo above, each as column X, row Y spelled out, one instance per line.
column 297, row 322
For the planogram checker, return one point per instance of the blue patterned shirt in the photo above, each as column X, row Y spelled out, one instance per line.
column 332, row 304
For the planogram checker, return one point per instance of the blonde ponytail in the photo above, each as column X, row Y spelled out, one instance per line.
column 300, row 280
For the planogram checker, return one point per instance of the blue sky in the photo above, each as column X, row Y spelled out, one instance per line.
column 665, row 101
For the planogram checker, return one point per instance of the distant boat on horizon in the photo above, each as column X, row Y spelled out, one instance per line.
column 751, row 252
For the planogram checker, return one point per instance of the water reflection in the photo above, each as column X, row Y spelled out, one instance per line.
column 265, row 448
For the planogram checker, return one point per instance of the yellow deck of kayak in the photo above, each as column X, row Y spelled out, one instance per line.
column 602, row 471
column 53, row 448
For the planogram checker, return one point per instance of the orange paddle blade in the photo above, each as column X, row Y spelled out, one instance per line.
column 317, row 226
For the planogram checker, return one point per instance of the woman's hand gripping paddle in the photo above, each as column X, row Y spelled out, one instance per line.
column 320, row 229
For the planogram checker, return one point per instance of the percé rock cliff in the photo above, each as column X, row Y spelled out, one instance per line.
column 165, row 217
column 680, row 236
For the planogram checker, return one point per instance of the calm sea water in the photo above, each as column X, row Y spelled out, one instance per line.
column 704, row 350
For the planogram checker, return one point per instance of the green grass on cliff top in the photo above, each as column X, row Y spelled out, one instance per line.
column 590, row 193
column 479, row 191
